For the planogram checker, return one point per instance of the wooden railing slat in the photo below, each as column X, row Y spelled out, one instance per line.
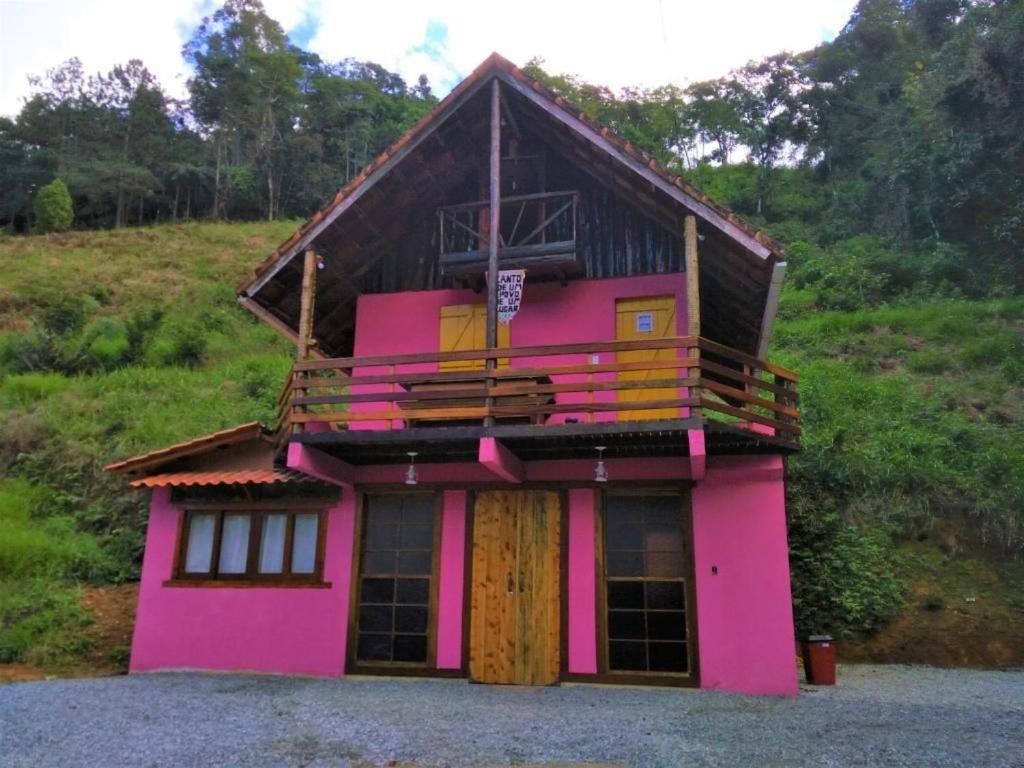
column 763, row 394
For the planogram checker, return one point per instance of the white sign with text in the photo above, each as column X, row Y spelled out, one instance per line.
column 510, row 293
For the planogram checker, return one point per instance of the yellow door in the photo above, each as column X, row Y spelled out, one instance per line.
column 464, row 327
column 646, row 319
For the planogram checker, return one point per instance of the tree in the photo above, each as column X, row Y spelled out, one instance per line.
column 53, row 209
column 245, row 92
column 767, row 101
column 713, row 109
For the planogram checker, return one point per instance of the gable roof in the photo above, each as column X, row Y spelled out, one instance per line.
column 628, row 158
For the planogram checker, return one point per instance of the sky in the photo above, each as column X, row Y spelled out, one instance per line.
column 643, row 43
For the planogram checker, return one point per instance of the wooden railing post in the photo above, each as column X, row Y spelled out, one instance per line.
column 692, row 301
column 307, row 309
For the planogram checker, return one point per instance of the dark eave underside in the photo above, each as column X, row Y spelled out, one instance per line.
column 639, row 439
column 391, row 227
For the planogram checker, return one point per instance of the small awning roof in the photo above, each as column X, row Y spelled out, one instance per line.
column 243, row 433
column 244, row 477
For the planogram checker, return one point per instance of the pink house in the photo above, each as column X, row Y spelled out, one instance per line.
column 529, row 437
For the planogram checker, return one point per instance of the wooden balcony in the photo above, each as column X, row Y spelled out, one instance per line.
column 538, row 233
column 638, row 398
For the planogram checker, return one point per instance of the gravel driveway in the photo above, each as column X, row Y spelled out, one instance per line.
column 892, row 716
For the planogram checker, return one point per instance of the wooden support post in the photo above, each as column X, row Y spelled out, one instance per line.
column 493, row 232
column 306, row 309
column 692, row 298
column 305, row 341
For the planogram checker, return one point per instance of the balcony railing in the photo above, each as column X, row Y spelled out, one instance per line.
column 648, row 380
column 537, row 231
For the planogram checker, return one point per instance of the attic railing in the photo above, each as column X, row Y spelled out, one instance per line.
column 534, row 224
column 656, row 379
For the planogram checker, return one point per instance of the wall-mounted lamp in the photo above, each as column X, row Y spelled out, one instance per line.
column 600, row 470
column 411, row 477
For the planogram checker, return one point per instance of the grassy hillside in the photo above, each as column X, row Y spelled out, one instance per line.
column 905, row 506
column 111, row 343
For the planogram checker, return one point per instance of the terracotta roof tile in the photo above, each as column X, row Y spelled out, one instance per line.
column 238, row 477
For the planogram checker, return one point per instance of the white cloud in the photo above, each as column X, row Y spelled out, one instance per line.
column 650, row 43
column 37, row 35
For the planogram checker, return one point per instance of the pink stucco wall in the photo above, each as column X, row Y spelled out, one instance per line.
column 743, row 609
column 581, row 586
column 741, row 559
column 285, row 630
column 451, row 580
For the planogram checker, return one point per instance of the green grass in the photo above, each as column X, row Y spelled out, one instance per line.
column 114, row 343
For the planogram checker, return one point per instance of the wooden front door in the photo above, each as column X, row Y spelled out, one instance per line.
column 514, row 620
column 464, row 327
column 646, row 319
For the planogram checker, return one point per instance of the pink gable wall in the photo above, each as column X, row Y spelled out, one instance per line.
column 583, row 310
column 274, row 629
column 744, row 612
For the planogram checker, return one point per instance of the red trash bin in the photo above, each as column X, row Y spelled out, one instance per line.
column 820, row 660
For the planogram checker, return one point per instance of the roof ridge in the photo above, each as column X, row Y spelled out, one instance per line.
column 495, row 61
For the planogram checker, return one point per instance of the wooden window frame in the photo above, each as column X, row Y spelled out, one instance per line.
column 429, row 665
column 257, row 512
column 640, row 677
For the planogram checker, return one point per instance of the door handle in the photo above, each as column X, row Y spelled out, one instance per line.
column 510, row 584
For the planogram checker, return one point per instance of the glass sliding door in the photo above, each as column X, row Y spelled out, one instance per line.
column 646, row 578
column 397, row 575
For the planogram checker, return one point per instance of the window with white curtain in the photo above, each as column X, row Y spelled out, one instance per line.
column 275, row 545
column 304, row 544
column 234, row 545
column 200, row 544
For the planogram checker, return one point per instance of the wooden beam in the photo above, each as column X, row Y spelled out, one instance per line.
column 322, row 466
column 771, row 307
column 305, row 340
column 493, row 233
column 500, row 461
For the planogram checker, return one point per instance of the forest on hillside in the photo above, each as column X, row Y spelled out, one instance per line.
column 889, row 162
column 899, row 140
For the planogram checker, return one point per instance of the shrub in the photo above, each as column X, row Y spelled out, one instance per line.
column 844, row 579
column 53, row 209
column 41, row 623
column 104, row 345
column 26, row 389
column 22, row 352
column 64, row 317
column 928, row 361
column 49, row 548
column 177, row 341
column 993, row 349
